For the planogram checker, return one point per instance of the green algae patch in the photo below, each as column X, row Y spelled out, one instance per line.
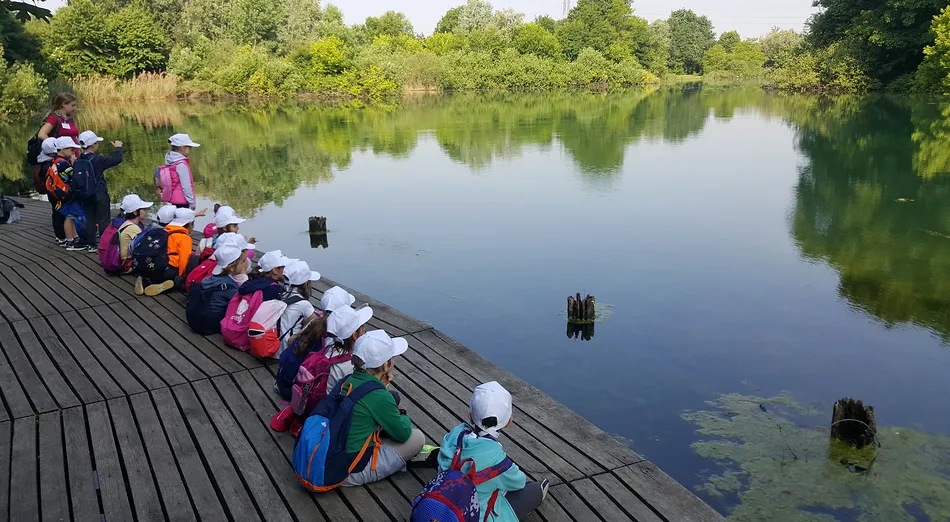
column 776, row 455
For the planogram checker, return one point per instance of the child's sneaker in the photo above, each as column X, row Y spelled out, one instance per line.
column 61, row 242
column 545, row 484
column 427, row 458
column 92, row 249
column 75, row 246
column 153, row 290
column 139, row 287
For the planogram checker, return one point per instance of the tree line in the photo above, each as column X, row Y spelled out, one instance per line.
column 282, row 48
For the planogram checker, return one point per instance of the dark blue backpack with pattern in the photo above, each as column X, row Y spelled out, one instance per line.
column 451, row 495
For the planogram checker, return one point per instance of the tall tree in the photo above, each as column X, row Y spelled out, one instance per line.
column 475, row 14
column 390, row 23
column 534, row 39
column 778, row 43
column 886, row 36
column 449, row 21
column 601, row 24
column 690, row 36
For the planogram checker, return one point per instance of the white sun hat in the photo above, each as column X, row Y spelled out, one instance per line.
column 48, row 150
column 224, row 255
column 183, row 216
column 166, row 214
column 88, row 139
column 336, row 298
column 299, row 273
column 182, row 140
column 345, row 321
column 490, row 401
column 225, row 216
column 133, row 202
column 376, row 348
column 274, row 259
column 65, row 142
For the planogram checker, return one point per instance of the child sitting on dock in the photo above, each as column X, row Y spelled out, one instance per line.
column 272, row 266
column 208, row 301
column 345, row 326
column 374, row 361
column 133, row 209
column 225, row 221
column 301, row 311
column 507, row 497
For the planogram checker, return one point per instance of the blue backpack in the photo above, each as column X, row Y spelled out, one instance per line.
column 83, row 183
column 150, row 254
column 202, row 318
column 320, row 458
column 451, row 495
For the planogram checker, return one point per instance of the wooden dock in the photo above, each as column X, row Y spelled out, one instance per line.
column 112, row 409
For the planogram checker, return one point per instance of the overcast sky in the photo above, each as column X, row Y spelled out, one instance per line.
column 750, row 17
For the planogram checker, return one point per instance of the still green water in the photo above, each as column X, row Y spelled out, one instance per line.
column 746, row 243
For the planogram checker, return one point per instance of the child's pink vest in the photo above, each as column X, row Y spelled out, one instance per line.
column 170, row 182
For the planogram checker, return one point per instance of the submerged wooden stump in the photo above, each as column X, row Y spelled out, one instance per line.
column 580, row 311
column 318, row 225
column 852, row 422
column 319, row 241
column 583, row 331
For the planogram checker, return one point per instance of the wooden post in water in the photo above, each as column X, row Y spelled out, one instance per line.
column 580, row 317
column 318, row 232
column 853, row 422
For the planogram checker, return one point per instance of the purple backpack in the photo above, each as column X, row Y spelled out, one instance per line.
column 109, row 247
column 451, row 495
column 310, row 386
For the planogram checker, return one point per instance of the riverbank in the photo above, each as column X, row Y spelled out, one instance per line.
column 112, row 406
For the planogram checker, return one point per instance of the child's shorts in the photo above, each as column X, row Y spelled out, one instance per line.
column 389, row 463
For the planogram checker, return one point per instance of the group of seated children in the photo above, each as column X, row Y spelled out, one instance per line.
column 323, row 354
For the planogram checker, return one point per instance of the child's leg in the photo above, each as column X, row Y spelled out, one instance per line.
column 410, row 448
column 58, row 222
column 69, row 227
column 525, row 500
column 392, row 459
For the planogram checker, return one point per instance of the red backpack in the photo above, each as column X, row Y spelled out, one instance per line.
column 201, row 271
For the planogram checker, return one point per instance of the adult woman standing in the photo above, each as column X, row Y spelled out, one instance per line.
column 60, row 122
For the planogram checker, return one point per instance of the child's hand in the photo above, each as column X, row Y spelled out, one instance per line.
column 200, row 213
column 252, row 240
column 117, row 144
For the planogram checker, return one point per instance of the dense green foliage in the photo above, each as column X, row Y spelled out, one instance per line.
column 690, row 36
column 21, row 88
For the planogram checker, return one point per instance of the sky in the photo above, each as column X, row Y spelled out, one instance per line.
column 752, row 18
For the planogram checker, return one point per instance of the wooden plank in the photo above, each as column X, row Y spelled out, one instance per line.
column 129, row 336
column 124, row 354
column 264, row 406
column 664, row 495
column 145, row 501
column 112, row 285
column 115, row 500
column 629, row 502
column 112, row 366
column 249, row 466
column 29, row 305
column 53, row 494
column 24, row 493
column 235, row 497
column 82, row 476
column 572, row 504
column 57, row 295
column 212, row 346
column 76, row 384
column 605, row 507
column 12, row 393
column 75, row 295
column 80, row 282
column 84, row 358
column 193, row 471
column 8, row 311
column 180, row 355
column 6, row 447
column 381, row 310
column 299, row 501
column 30, row 380
column 170, row 485
column 574, row 429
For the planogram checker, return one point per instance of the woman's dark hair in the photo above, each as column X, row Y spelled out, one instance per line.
column 62, row 99
column 314, row 332
column 132, row 215
column 305, row 290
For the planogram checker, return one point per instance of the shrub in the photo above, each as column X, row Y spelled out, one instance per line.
column 21, row 89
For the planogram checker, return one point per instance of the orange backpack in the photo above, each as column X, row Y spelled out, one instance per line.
column 57, row 183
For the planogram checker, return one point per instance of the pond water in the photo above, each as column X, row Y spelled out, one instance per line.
column 736, row 241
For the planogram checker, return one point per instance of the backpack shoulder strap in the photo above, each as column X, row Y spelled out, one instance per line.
column 492, row 471
column 340, row 358
column 294, row 299
column 364, row 389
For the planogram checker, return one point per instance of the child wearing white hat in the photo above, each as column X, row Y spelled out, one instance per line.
column 373, row 362
column 208, row 302
column 300, row 311
column 97, row 205
column 182, row 190
column 490, row 411
column 44, row 161
column 134, row 212
column 225, row 221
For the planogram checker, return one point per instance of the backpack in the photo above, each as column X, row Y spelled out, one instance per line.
column 320, row 459
column 83, row 182
column 34, row 147
column 150, row 254
column 197, row 310
column 166, row 176
column 263, row 336
column 237, row 320
column 451, row 495
column 39, row 177
column 138, row 238
column 202, row 271
column 9, row 210
column 109, row 256
column 310, row 386
column 57, row 186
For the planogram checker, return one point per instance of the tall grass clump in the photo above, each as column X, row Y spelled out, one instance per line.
column 144, row 86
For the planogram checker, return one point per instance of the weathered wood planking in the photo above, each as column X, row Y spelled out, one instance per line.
column 112, row 409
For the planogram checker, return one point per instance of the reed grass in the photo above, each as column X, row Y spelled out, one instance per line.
column 145, row 86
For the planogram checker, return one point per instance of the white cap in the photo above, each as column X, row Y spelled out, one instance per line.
column 182, row 140
column 132, row 202
column 376, row 348
column 224, row 255
column 166, row 214
column 230, row 238
column 65, row 142
column 225, row 216
column 88, row 139
column 345, row 321
column 335, row 298
column 274, row 259
column 298, row 273
column 490, row 400
column 183, row 216
column 48, row 150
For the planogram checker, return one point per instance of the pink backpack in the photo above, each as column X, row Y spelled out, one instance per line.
column 109, row 247
column 311, row 383
column 236, row 321
column 170, row 183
